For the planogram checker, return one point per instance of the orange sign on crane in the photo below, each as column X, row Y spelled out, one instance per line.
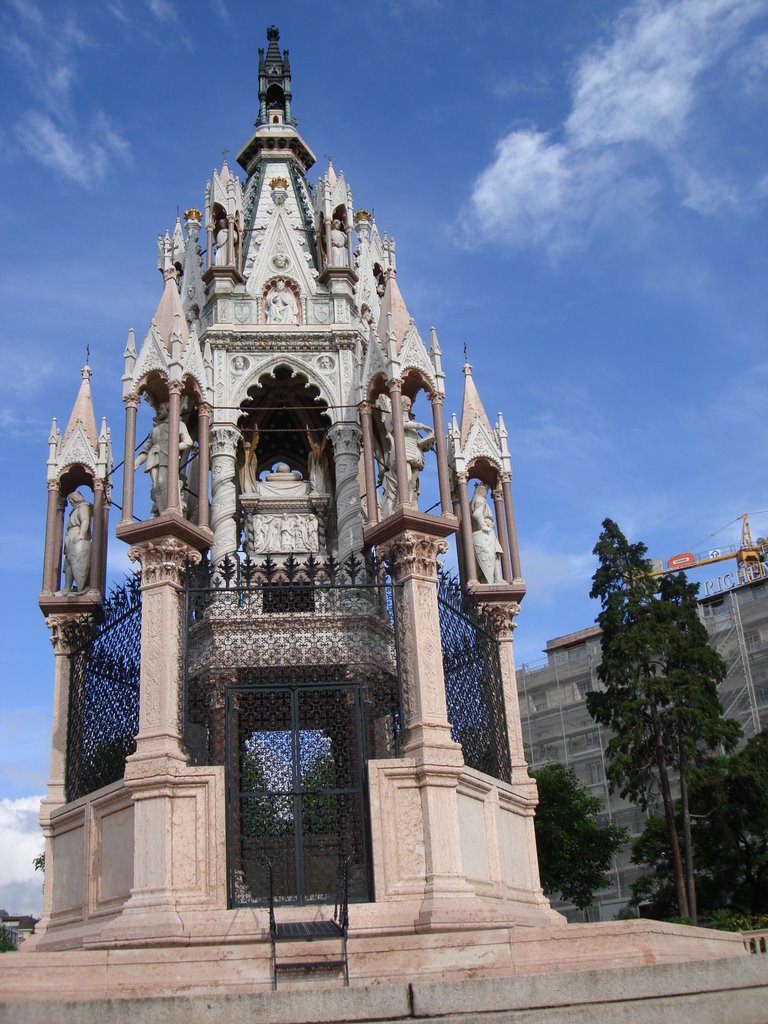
column 749, row 556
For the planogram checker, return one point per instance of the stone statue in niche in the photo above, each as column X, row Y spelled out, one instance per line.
column 317, row 465
column 77, row 545
column 281, row 304
column 484, row 540
column 222, row 237
column 338, row 244
column 189, row 476
column 154, row 457
column 250, row 463
column 415, row 446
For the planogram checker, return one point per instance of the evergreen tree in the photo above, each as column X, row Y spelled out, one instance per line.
column 660, row 698
column 574, row 850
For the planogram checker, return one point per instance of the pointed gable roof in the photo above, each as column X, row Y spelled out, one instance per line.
column 472, row 408
column 82, row 412
column 393, row 302
column 168, row 309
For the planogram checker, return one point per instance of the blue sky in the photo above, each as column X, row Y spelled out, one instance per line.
column 578, row 191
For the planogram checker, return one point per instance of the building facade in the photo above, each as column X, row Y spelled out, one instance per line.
column 558, row 727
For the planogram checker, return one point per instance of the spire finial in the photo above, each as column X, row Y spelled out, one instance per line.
column 87, row 354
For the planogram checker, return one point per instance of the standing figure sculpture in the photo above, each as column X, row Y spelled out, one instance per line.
column 281, row 305
column 484, row 540
column 154, row 457
column 338, row 244
column 415, row 446
column 77, row 544
column 222, row 237
column 317, row 465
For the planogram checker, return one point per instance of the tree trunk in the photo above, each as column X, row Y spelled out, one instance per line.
column 669, row 814
column 690, row 883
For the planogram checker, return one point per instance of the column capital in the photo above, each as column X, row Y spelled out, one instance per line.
column 436, row 398
column 175, row 387
column 67, row 629
column 132, row 401
column 346, row 438
column 395, row 384
column 502, row 616
column 224, row 439
column 415, row 554
column 163, row 560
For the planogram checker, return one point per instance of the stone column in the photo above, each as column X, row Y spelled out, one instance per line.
column 224, row 441
column 371, row 494
column 501, row 531
column 441, row 452
column 467, row 545
column 203, row 464
column 437, row 757
column 61, row 627
column 53, row 539
column 174, row 419
column 230, row 240
column 503, row 616
column 98, row 537
column 162, row 562
column 129, row 457
column 398, row 434
column 346, row 439
column 509, row 509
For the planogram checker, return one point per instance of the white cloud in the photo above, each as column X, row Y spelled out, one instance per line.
column 83, row 162
column 163, row 10
column 20, row 884
column 633, row 100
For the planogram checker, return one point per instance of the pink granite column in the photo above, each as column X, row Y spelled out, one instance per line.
column 174, row 422
column 441, row 452
column 371, row 494
column 509, row 509
column 398, row 435
column 501, row 531
column 129, row 456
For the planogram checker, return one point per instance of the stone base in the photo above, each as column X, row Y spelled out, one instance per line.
column 170, row 524
column 239, row 962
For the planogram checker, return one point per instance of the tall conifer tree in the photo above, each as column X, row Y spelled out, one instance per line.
column 660, row 698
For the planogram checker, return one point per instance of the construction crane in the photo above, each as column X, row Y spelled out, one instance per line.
column 749, row 556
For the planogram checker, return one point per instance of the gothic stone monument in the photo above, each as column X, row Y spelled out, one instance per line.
column 290, row 674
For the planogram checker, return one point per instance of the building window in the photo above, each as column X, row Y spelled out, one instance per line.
column 539, row 701
column 591, row 740
column 595, row 769
column 752, row 639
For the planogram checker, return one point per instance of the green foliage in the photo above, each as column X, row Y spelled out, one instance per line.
column 728, row 921
column 574, row 850
column 657, row 885
column 39, row 863
column 7, row 945
column 729, row 801
column 661, row 677
column 729, row 829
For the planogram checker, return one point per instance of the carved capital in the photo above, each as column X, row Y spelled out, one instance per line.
column 204, row 409
column 436, row 398
column 395, row 384
column 163, row 561
column 224, row 442
column 505, row 477
column 346, row 439
column 415, row 554
column 132, row 401
column 174, row 387
column 502, row 616
column 67, row 629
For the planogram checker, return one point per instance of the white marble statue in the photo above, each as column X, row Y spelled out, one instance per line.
column 338, row 244
column 484, row 540
column 281, row 304
column 415, row 446
column 77, row 545
column 222, row 237
column 317, row 465
column 154, row 457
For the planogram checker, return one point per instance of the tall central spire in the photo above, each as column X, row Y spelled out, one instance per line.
column 276, row 135
column 274, row 83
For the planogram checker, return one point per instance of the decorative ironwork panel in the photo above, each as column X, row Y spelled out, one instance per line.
column 473, row 684
column 103, row 715
column 292, row 681
column 295, row 778
column 269, row 622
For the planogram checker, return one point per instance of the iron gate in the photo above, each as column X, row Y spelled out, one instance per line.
column 295, row 774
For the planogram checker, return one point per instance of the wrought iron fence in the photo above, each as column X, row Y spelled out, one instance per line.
column 473, row 684
column 282, row 621
column 103, row 714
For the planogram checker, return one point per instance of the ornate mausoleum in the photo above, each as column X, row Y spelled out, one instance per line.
column 292, row 693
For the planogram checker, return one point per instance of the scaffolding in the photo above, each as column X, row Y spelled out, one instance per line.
column 558, row 727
